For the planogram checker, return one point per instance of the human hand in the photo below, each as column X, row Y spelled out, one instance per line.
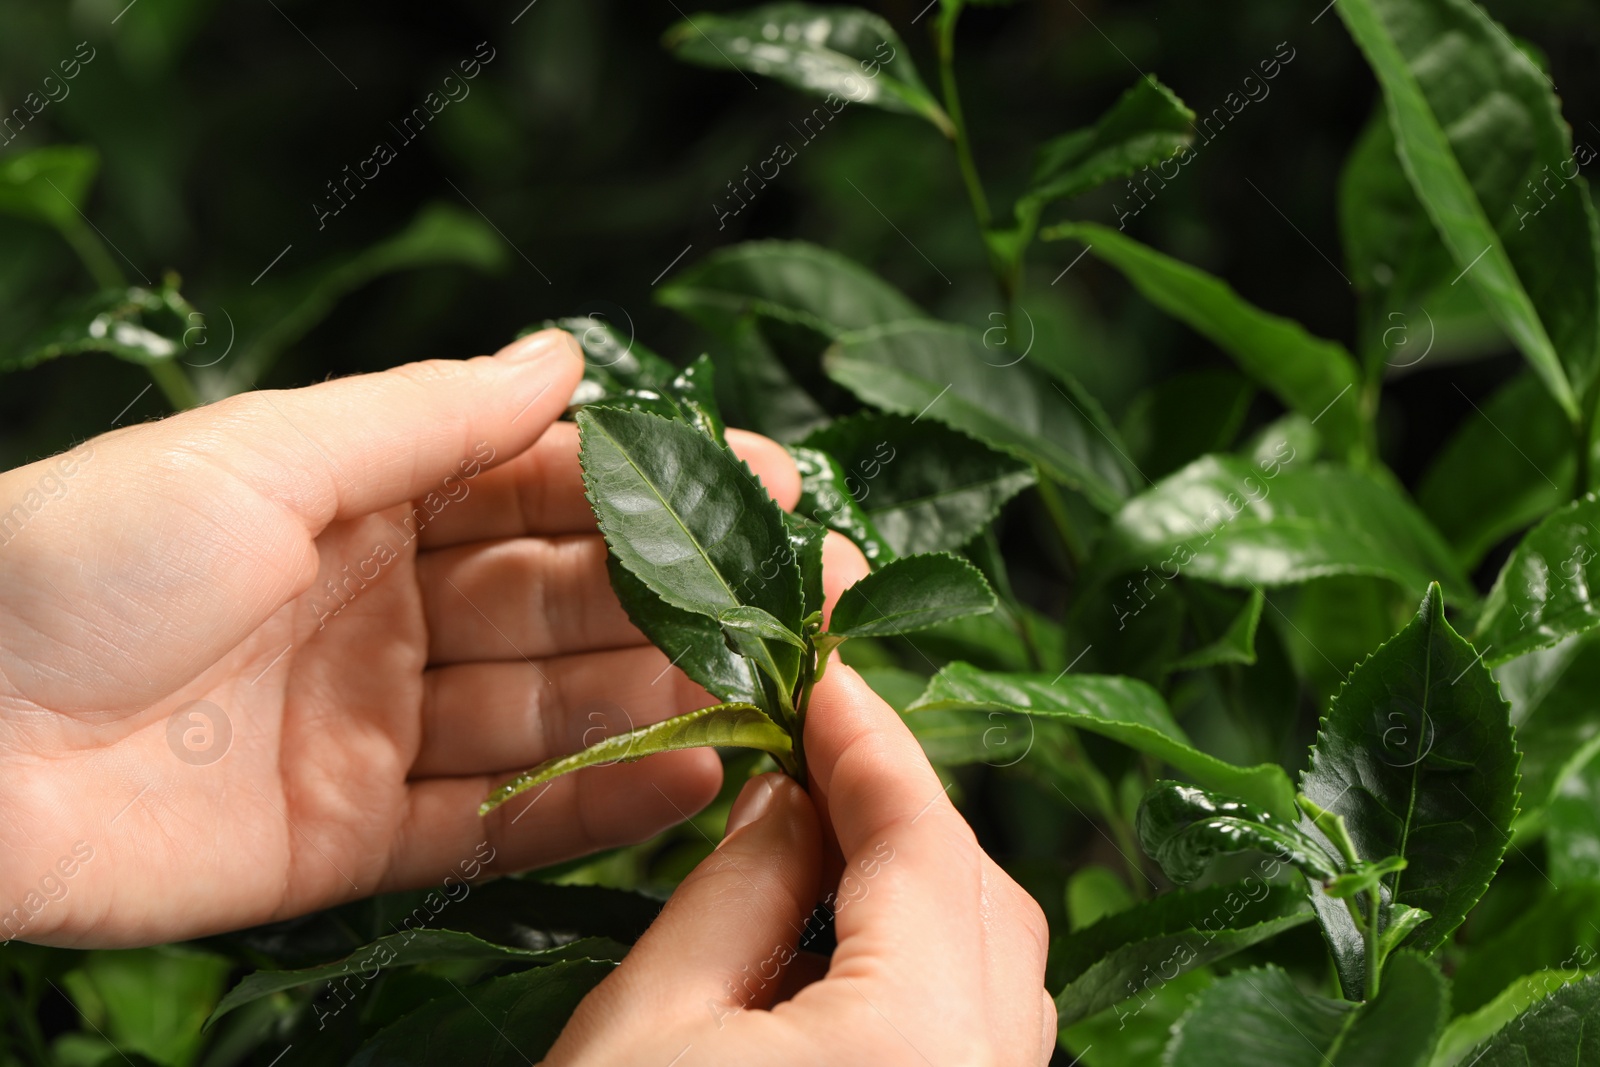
column 940, row 954
column 389, row 588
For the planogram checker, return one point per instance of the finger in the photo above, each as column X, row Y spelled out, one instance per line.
column 1016, row 943
column 725, row 938
column 580, row 813
column 520, row 599
column 355, row 445
column 912, row 864
column 202, row 524
column 481, row 718
column 541, row 490
column 843, row 565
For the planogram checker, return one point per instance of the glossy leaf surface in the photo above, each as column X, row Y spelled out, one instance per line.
column 948, row 374
column 1184, row 828
column 840, row 53
column 1416, row 753
column 1544, row 592
column 923, row 486
column 1122, row 709
column 912, row 593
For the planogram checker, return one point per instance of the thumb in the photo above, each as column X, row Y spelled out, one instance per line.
column 725, row 938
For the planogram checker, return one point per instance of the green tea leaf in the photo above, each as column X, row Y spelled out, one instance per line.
column 1557, row 1029
column 945, row 373
column 1184, row 828
column 1572, row 828
column 1552, row 696
column 612, row 360
column 1122, row 709
column 1466, row 1033
column 499, row 1023
column 1553, row 930
column 49, row 184
column 1509, row 465
column 761, row 638
column 691, row 641
column 806, row 538
column 1452, row 78
column 687, row 517
column 1229, row 521
column 689, row 396
column 1260, row 1018
column 825, row 498
column 922, row 485
column 1317, row 378
column 721, row 726
column 1154, row 941
column 1147, row 125
column 116, row 987
column 408, row 948
column 1543, row 592
column 844, row 54
column 911, row 593
column 756, row 389
column 1237, row 644
column 1417, row 754
column 138, row 324
column 790, row 281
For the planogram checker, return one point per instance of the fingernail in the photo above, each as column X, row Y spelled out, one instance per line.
column 534, row 346
column 753, row 802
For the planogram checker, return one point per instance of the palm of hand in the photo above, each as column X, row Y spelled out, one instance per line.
column 364, row 682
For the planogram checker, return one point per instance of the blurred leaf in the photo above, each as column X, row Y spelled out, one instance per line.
column 1552, row 696
column 720, row 726
column 1317, row 378
column 407, row 949
column 1445, row 69
column 1508, row 466
column 1260, row 1018
column 1557, row 1029
column 117, row 993
column 1543, row 592
column 1417, row 755
column 1122, row 709
column 1556, row 932
column 505, row 1021
column 1155, row 941
column 1185, row 416
column 440, row 234
column 1184, row 828
column 49, row 184
column 790, row 281
column 755, row 388
column 1467, row 1032
column 942, row 372
column 841, row 53
column 1118, row 1037
column 1147, row 125
column 934, row 491
column 1232, row 522
column 825, row 497
column 1572, row 827
column 1237, row 644
column 1095, row 893
column 141, row 325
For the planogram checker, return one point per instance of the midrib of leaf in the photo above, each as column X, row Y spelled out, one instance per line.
column 667, row 507
column 1416, row 768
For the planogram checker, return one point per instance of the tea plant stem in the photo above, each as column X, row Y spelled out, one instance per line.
column 174, row 384
column 1370, row 936
column 810, row 680
column 106, row 273
column 1057, row 508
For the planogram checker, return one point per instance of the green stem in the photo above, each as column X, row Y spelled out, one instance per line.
column 106, row 273
column 993, row 563
column 1370, row 935
column 1056, row 506
column 807, row 683
column 174, row 384
column 945, row 33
